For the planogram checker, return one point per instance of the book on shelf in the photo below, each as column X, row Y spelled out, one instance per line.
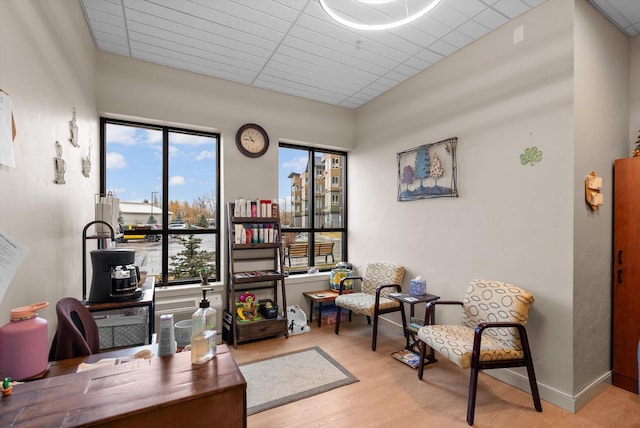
column 259, row 208
column 256, row 274
column 415, row 323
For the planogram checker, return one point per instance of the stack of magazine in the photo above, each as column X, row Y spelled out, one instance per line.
column 411, row 359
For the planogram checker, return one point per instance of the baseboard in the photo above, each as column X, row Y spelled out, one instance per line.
column 569, row 402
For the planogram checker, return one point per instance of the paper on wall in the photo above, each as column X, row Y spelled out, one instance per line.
column 11, row 256
column 7, row 131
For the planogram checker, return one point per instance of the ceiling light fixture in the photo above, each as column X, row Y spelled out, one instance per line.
column 400, row 11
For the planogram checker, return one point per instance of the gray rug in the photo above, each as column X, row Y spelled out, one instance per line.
column 290, row 377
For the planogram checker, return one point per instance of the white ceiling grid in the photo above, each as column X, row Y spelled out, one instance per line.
column 293, row 47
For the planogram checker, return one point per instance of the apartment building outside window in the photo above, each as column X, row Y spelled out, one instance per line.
column 312, row 200
column 166, row 180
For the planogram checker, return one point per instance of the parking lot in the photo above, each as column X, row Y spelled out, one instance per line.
column 149, row 254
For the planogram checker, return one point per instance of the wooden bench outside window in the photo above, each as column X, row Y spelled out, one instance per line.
column 301, row 249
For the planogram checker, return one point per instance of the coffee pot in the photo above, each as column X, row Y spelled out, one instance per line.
column 115, row 277
column 124, row 280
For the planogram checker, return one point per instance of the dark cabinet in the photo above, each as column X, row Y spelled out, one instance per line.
column 626, row 273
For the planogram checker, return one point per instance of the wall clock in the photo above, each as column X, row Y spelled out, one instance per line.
column 252, row 140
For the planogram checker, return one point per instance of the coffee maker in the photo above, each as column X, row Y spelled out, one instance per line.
column 115, row 277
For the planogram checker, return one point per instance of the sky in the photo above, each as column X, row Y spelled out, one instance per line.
column 291, row 160
column 134, row 165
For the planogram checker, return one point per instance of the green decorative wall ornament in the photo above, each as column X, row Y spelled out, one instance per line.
column 531, row 156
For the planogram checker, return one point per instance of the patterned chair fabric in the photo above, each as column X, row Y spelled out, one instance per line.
column 491, row 334
column 375, row 274
column 485, row 301
column 369, row 301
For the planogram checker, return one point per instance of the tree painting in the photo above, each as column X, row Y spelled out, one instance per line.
column 417, row 166
column 436, row 170
column 408, row 175
column 422, row 164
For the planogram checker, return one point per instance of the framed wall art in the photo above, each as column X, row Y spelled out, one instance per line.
column 428, row 171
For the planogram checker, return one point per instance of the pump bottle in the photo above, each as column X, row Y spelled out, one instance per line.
column 203, row 333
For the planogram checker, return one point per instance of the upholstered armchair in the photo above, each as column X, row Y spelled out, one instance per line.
column 491, row 334
column 378, row 280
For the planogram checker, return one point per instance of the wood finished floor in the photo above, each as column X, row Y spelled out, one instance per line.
column 389, row 393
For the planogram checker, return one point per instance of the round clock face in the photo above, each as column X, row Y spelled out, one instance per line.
column 252, row 140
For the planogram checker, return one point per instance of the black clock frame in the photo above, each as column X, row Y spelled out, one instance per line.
column 239, row 141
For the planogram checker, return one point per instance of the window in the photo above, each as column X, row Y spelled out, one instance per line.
column 312, row 200
column 166, row 180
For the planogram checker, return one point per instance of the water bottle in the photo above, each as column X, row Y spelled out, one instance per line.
column 24, row 343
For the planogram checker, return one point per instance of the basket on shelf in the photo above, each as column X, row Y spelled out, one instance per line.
column 268, row 309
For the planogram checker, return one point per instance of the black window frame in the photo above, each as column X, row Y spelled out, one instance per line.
column 165, row 231
column 311, row 231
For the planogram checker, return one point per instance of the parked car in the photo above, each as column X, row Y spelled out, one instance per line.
column 132, row 233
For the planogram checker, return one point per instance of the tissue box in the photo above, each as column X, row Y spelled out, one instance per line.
column 418, row 286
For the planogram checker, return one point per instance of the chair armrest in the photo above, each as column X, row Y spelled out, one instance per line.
column 349, row 278
column 430, row 309
column 379, row 289
column 480, row 328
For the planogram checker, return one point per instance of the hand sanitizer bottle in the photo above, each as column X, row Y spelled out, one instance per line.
column 203, row 333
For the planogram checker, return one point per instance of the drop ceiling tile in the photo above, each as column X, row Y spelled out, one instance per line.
column 533, row 3
column 447, row 15
column 114, row 48
column 491, row 19
column 429, row 56
column 292, row 46
column 457, row 39
column 430, row 26
column 511, row 8
column 473, row 29
column 443, row 48
column 468, row 8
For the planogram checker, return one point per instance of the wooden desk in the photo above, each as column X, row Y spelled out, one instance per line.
column 70, row 365
column 320, row 297
column 166, row 391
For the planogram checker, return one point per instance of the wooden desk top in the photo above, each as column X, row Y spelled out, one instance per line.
column 63, row 367
column 144, row 392
column 413, row 298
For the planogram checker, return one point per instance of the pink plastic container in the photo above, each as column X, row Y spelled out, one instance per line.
column 24, row 343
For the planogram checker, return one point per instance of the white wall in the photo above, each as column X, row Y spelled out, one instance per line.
column 601, row 82
column 133, row 88
column 138, row 90
column 511, row 222
column 523, row 224
column 47, row 67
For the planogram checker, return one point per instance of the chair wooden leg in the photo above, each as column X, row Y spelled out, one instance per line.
column 368, row 320
column 524, row 340
column 473, row 387
column 423, row 351
column 375, row 333
column 338, row 310
column 534, row 386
